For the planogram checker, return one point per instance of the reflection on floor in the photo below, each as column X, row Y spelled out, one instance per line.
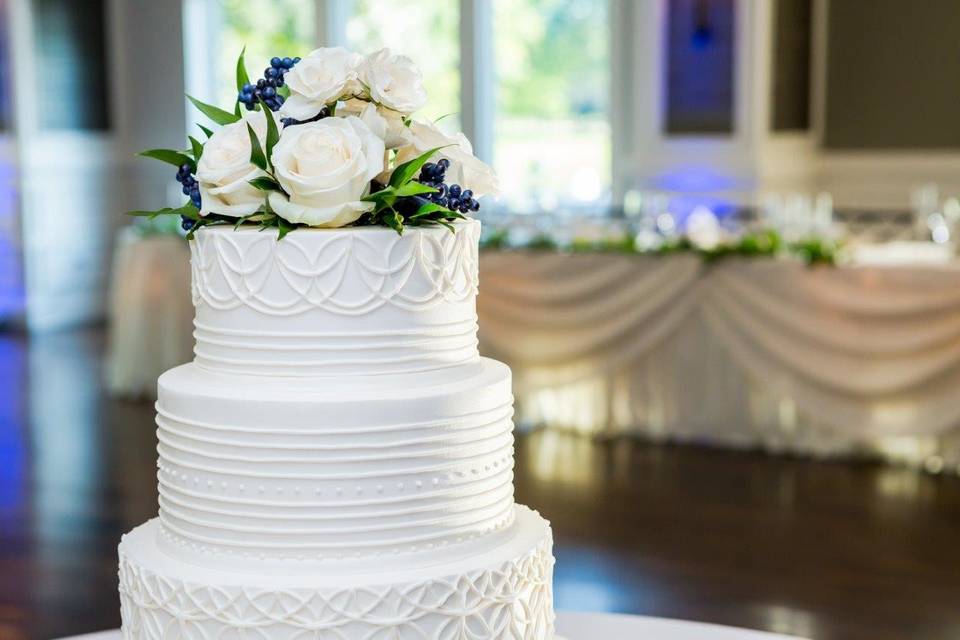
column 821, row 550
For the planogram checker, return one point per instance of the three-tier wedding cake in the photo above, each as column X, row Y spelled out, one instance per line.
column 337, row 461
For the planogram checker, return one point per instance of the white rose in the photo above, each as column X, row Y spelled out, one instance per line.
column 393, row 81
column 224, row 170
column 393, row 131
column 320, row 78
column 326, row 167
column 465, row 168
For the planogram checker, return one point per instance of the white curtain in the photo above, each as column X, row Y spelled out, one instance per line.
column 768, row 353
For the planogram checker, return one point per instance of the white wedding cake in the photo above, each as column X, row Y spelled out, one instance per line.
column 337, row 460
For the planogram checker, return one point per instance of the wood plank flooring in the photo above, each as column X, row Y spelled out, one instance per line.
column 823, row 550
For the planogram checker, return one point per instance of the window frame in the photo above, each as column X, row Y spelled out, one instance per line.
column 477, row 81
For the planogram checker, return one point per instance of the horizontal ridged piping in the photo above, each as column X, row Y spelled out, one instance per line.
column 455, row 466
column 343, row 431
column 457, row 491
column 447, row 451
column 436, row 330
column 175, row 507
column 458, row 435
column 353, row 544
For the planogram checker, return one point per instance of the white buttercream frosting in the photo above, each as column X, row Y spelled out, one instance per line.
column 301, row 471
column 338, row 459
column 361, row 301
column 500, row 592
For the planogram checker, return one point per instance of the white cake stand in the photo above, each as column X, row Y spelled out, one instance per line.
column 591, row 626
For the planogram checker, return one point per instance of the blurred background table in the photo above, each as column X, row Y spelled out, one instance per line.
column 768, row 353
column 151, row 314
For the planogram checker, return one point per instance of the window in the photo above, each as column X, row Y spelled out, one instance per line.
column 267, row 28
column 550, row 134
column 427, row 31
column 71, row 46
column 552, row 127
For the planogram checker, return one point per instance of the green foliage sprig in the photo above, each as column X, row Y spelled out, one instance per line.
column 397, row 204
column 761, row 244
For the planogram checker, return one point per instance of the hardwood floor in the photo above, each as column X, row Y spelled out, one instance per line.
column 821, row 550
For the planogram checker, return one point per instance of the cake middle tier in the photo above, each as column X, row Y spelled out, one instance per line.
column 307, row 470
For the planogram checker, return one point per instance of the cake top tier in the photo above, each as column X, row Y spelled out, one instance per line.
column 350, row 301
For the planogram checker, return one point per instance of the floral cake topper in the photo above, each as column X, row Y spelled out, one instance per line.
column 327, row 140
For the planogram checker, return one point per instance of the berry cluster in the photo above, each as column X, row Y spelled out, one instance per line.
column 190, row 188
column 451, row 196
column 289, row 122
column 266, row 87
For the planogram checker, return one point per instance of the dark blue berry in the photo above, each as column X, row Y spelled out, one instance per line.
column 261, row 83
column 269, row 92
column 443, row 163
column 296, row 60
column 270, row 72
column 474, row 205
column 287, row 63
column 186, row 223
column 276, row 63
column 466, row 194
column 186, row 189
column 454, row 190
column 453, row 202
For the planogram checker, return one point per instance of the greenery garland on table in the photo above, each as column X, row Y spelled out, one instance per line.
column 759, row 244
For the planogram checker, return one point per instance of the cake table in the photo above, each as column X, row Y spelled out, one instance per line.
column 587, row 626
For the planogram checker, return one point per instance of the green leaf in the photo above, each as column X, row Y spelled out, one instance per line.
column 256, row 151
column 283, row 228
column 256, row 216
column 405, row 172
column 393, row 220
column 170, row 156
column 206, row 131
column 383, row 198
column 266, row 184
column 273, row 134
column 430, row 207
column 414, row 188
column 187, row 210
column 216, row 114
column 242, row 77
column 197, row 147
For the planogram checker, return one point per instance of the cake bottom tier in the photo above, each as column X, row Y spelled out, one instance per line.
column 504, row 593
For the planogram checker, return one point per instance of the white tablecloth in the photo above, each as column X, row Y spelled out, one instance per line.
column 740, row 352
column 151, row 315
column 595, row 626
